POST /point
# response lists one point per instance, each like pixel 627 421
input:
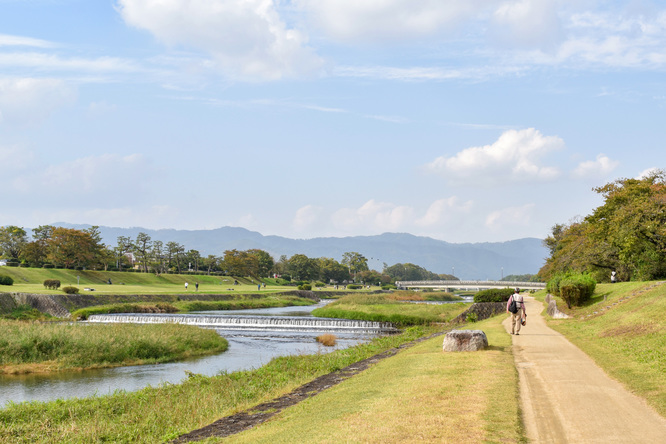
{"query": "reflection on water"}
pixel 247 350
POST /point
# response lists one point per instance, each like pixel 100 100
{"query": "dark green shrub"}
pixel 52 284
pixel 493 295
pixel 319 284
pixel 353 287
pixel 70 290
pixel 6 280
pixel 48 266
pixel 576 289
pixel 389 287
pixel 12 264
pixel 553 285
pixel 305 287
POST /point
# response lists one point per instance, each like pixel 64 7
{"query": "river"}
pixel 247 349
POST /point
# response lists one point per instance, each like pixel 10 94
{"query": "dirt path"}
pixel 567 398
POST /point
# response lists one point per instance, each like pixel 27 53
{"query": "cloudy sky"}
pixel 462 120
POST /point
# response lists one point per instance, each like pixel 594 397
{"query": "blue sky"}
pixel 464 120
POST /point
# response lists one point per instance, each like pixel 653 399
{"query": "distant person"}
pixel 196 286
pixel 109 282
pixel 259 287
pixel 519 313
pixel 186 286
pixel 613 277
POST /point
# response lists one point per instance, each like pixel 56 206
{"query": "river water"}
pixel 248 349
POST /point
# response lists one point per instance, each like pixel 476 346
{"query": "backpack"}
pixel 513 306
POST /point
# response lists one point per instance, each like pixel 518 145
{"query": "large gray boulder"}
pixel 465 340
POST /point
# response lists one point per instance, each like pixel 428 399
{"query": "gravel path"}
pixel 567 398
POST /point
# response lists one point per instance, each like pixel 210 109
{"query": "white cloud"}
pixel 26 101
pixel 648 172
pixel 527 24
pixel 373 216
pixel 599 167
pixel 515 156
pixel 13 160
pixel 306 217
pixel 247 38
pixel 104 180
pixel 443 210
pixel 389 20
pixel 14 40
pixel 510 217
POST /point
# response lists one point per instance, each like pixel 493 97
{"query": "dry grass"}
pixel 420 395
pixel 327 339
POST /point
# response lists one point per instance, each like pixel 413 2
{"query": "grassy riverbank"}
pixel 30 347
pixel 419 395
pixel 624 330
pixel 238 303
pixel 159 414
pixel 389 308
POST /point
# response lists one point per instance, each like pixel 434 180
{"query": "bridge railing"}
pixel 453 283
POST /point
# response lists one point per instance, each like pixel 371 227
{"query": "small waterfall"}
pixel 257 323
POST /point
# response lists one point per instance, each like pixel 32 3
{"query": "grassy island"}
pixel 29 347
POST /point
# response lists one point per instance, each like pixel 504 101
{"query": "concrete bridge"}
pixel 469 285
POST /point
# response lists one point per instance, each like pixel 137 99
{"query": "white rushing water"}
pixel 254 323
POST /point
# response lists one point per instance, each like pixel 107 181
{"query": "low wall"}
pixel 483 310
pixel 45 303
pixel 7 303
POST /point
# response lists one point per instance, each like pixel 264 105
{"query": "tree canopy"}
pixel 626 234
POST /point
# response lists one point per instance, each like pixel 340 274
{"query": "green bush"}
pixel 6 280
pixel 353 287
pixel 576 289
pixel 389 287
pixel 493 295
pixel 553 285
pixel 319 284
pixel 70 290
pixel 48 266
pixel 52 284
pixel 12 264
pixel 305 287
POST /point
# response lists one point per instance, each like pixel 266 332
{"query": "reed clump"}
pixel 327 339
pixel 27 347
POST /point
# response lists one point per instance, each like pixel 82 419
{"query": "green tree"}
pixel 355 262
pixel 302 268
pixel 626 234
pixel 264 262
pixel 142 249
pixel 332 270
pixel 13 240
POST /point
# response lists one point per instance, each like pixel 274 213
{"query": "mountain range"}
pixel 467 261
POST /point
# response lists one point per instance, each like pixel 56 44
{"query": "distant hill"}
pixel 489 260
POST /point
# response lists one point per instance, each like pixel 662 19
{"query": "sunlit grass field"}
pixel 420 395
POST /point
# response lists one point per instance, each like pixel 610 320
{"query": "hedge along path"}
pixel 567 398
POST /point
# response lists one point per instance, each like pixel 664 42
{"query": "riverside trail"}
pixel 567 398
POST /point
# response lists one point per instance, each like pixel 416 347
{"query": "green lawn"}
pixel 420 395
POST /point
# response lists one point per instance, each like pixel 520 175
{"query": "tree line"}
pixel 626 234
pixel 51 246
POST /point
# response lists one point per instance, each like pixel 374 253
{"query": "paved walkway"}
pixel 567 398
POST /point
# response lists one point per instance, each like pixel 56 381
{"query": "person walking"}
pixel 519 313
pixel 185 285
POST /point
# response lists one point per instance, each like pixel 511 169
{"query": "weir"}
pixel 255 323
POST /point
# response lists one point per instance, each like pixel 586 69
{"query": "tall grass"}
pixel 27 347
pixel 158 414
pixel 388 308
